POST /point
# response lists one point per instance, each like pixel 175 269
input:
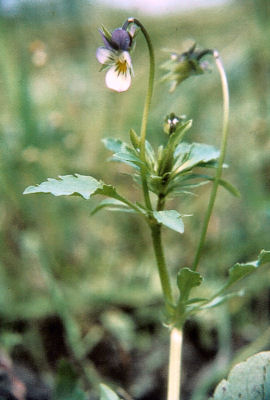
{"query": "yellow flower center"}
pixel 121 66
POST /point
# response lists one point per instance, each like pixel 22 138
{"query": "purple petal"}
pixel 104 55
pixel 121 38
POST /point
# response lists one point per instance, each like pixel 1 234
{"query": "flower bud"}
pixel 182 66
pixel 171 123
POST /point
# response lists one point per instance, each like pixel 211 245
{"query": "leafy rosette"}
pixel 173 170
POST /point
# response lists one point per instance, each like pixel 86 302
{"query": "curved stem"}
pixel 174 374
pixel 146 108
pixel 225 93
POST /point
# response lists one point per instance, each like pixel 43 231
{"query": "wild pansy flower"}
pixel 182 66
pixel 115 57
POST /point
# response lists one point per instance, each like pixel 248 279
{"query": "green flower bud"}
pixel 171 123
pixel 134 138
pixel 182 66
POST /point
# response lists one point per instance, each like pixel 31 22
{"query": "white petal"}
pixel 116 81
pixel 104 55
pixel 126 56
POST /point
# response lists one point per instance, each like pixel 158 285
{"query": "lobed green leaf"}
pixel 248 380
pixel 84 186
pixel 68 185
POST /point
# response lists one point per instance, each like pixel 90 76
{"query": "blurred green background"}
pixel 71 281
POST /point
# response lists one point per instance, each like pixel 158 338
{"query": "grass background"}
pixel 54 111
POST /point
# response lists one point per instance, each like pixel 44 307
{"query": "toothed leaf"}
pixel 67 185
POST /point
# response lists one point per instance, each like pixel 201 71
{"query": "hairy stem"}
pixel 225 93
pixel 174 374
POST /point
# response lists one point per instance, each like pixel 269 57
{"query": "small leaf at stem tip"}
pixel 170 218
pixel 248 380
pixel 186 280
pixel 107 394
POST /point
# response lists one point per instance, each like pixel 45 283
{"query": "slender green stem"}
pixel 174 373
pixel 162 268
pixel 146 109
pixel 225 92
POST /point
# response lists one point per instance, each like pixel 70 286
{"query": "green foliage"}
pixel 114 145
pixel 46 132
pixel 84 186
pixel 219 300
pixel 239 271
pixel 190 155
pixel 111 205
pixel 227 185
pixel 236 273
pixel 122 152
pixel 248 380
pixel 170 218
pixel 134 138
pixel 170 171
pixel 68 185
pixel 186 280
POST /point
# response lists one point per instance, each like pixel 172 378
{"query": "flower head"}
pixel 182 66
pixel 115 57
